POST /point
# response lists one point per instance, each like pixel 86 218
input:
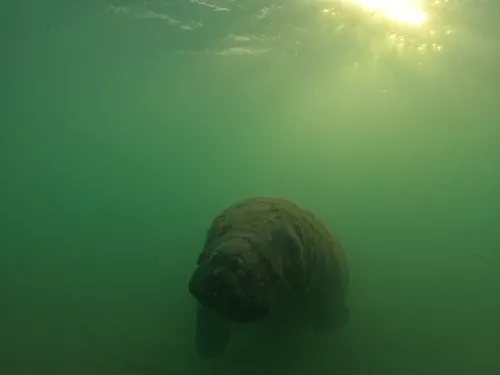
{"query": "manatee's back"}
pixel 319 260
pixel 308 250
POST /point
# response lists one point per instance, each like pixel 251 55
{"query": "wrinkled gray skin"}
pixel 260 252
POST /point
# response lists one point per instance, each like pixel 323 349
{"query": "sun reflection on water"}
pixel 402 26
pixel 404 11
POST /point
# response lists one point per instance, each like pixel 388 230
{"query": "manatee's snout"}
pixel 234 281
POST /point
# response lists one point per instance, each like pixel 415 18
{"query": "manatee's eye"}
pixel 214 255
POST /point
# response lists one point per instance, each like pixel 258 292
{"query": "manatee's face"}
pixel 234 281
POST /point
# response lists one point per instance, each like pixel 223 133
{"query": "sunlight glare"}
pixel 404 11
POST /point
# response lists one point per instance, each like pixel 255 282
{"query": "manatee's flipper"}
pixel 213 332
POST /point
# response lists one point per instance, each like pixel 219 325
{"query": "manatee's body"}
pixel 260 253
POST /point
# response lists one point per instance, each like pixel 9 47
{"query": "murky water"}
pixel 125 126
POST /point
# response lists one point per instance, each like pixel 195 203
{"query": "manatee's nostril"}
pixel 237 265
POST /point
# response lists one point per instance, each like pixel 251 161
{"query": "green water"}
pixel 126 126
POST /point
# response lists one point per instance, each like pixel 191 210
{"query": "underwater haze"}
pixel 126 126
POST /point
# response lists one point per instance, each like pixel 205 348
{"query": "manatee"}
pixel 262 253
